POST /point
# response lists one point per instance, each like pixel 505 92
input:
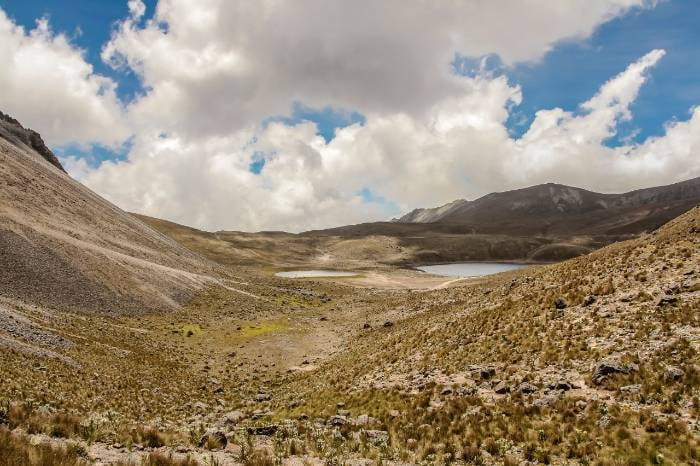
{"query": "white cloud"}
pixel 459 147
pixel 46 83
pixel 214 69
pixel 214 66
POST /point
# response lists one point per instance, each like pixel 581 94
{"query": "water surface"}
pixel 314 274
pixel 470 269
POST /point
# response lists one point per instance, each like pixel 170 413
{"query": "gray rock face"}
pixel 12 131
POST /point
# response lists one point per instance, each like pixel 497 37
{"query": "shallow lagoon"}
pixel 470 269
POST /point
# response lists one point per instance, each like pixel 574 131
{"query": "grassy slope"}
pixel 137 372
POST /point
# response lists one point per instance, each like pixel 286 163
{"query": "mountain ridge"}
pixel 541 208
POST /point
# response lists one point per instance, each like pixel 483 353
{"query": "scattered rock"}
pixel 560 303
pixel 611 365
pixel 338 420
pixel 667 300
pixel 364 420
pixel 262 397
pixel 635 388
pixel 561 385
pixel 366 326
pixel 446 391
pixel 388 323
pixel 376 437
pixel 199 406
pixel 214 440
pixel 483 372
pixel 673 374
pixel 526 388
pixel 232 418
pixel 263 430
pixel 588 300
pixel 501 388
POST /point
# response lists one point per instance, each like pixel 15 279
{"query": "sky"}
pixel 304 114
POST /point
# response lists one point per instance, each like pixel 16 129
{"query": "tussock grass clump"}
pixel 17 451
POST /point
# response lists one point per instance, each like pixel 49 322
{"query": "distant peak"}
pixel 12 131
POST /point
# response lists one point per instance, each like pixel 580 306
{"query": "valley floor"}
pixel 590 361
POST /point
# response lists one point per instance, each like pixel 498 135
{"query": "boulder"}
pixel 560 303
pixel 501 388
pixel 611 365
pixel 673 374
pixel 232 418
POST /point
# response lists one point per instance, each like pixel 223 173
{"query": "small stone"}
pixel 263 430
pixel 560 303
pixel 388 323
pixel 262 397
pixel 588 300
pixel 635 388
pixel 446 391
pixel 673 374
pixel 526 388
pixel 487 372
pixel 667 301
pixel 233 417
pixel 366 326
pixel 376 437
pixel 501 388
pixel 338 420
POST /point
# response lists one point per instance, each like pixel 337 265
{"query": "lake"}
pixel 314 274
pixel 470 269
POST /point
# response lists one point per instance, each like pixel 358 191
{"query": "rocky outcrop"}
pixel 12 131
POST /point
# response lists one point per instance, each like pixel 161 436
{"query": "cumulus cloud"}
pixel 214 66
pixel 460 147
pixel 46 83
pixel 213 70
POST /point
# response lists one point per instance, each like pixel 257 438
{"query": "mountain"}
pixel 63 246
pixel 557 209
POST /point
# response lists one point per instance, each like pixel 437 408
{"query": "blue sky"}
pixel 568 75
